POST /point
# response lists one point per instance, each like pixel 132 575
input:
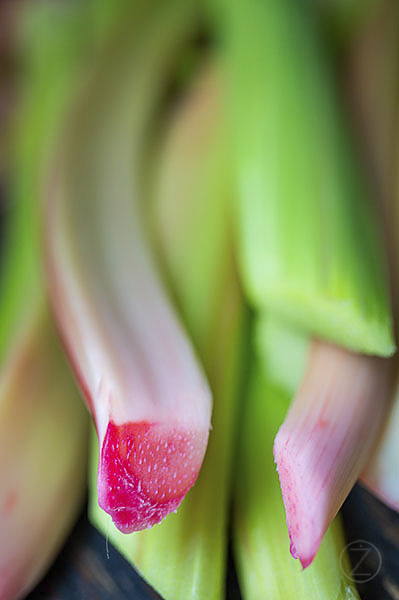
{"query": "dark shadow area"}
pixel 87 569
pixel 372 529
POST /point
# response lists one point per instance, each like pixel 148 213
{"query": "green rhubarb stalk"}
pixel 277 345
pixel 265 568
pixel 185 557
pixel 43 423
pixel 310 244
pixel 334 421
pixel 372 86
pixel 54 49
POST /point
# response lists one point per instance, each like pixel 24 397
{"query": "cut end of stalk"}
pixel 145 471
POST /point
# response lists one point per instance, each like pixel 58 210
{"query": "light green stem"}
pixel 309 240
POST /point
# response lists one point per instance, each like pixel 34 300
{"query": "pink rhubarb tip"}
pixel 305 532
pixel 145 471
pixel 327 437
pixel 132 357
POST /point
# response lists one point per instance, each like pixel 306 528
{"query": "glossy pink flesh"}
pixel 145 471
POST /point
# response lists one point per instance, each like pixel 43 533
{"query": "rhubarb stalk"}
pixel 265 567
pixel 185 557
pixel 326 438
pixel 43 454
pixel 372 85
pixel 310 244
pixel 148 396
pixel 43 423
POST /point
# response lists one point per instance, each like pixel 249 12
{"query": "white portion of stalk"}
pixel 381 474
pixel 122 335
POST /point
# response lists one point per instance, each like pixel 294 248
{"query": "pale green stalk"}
pixel 54 49
pixel 283 351
pixel 185 557
pixel 371 80
pixel 309 240
pixel 43 422
pixel 371 85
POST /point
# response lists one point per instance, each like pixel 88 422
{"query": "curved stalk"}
pixel 265 567
pixel 310 243
pixel 326 438
pixel 186 556
pixel 149 398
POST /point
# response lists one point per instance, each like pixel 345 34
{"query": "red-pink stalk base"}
pixel 145 471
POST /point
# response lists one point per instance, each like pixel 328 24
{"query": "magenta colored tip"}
pixel 145 471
